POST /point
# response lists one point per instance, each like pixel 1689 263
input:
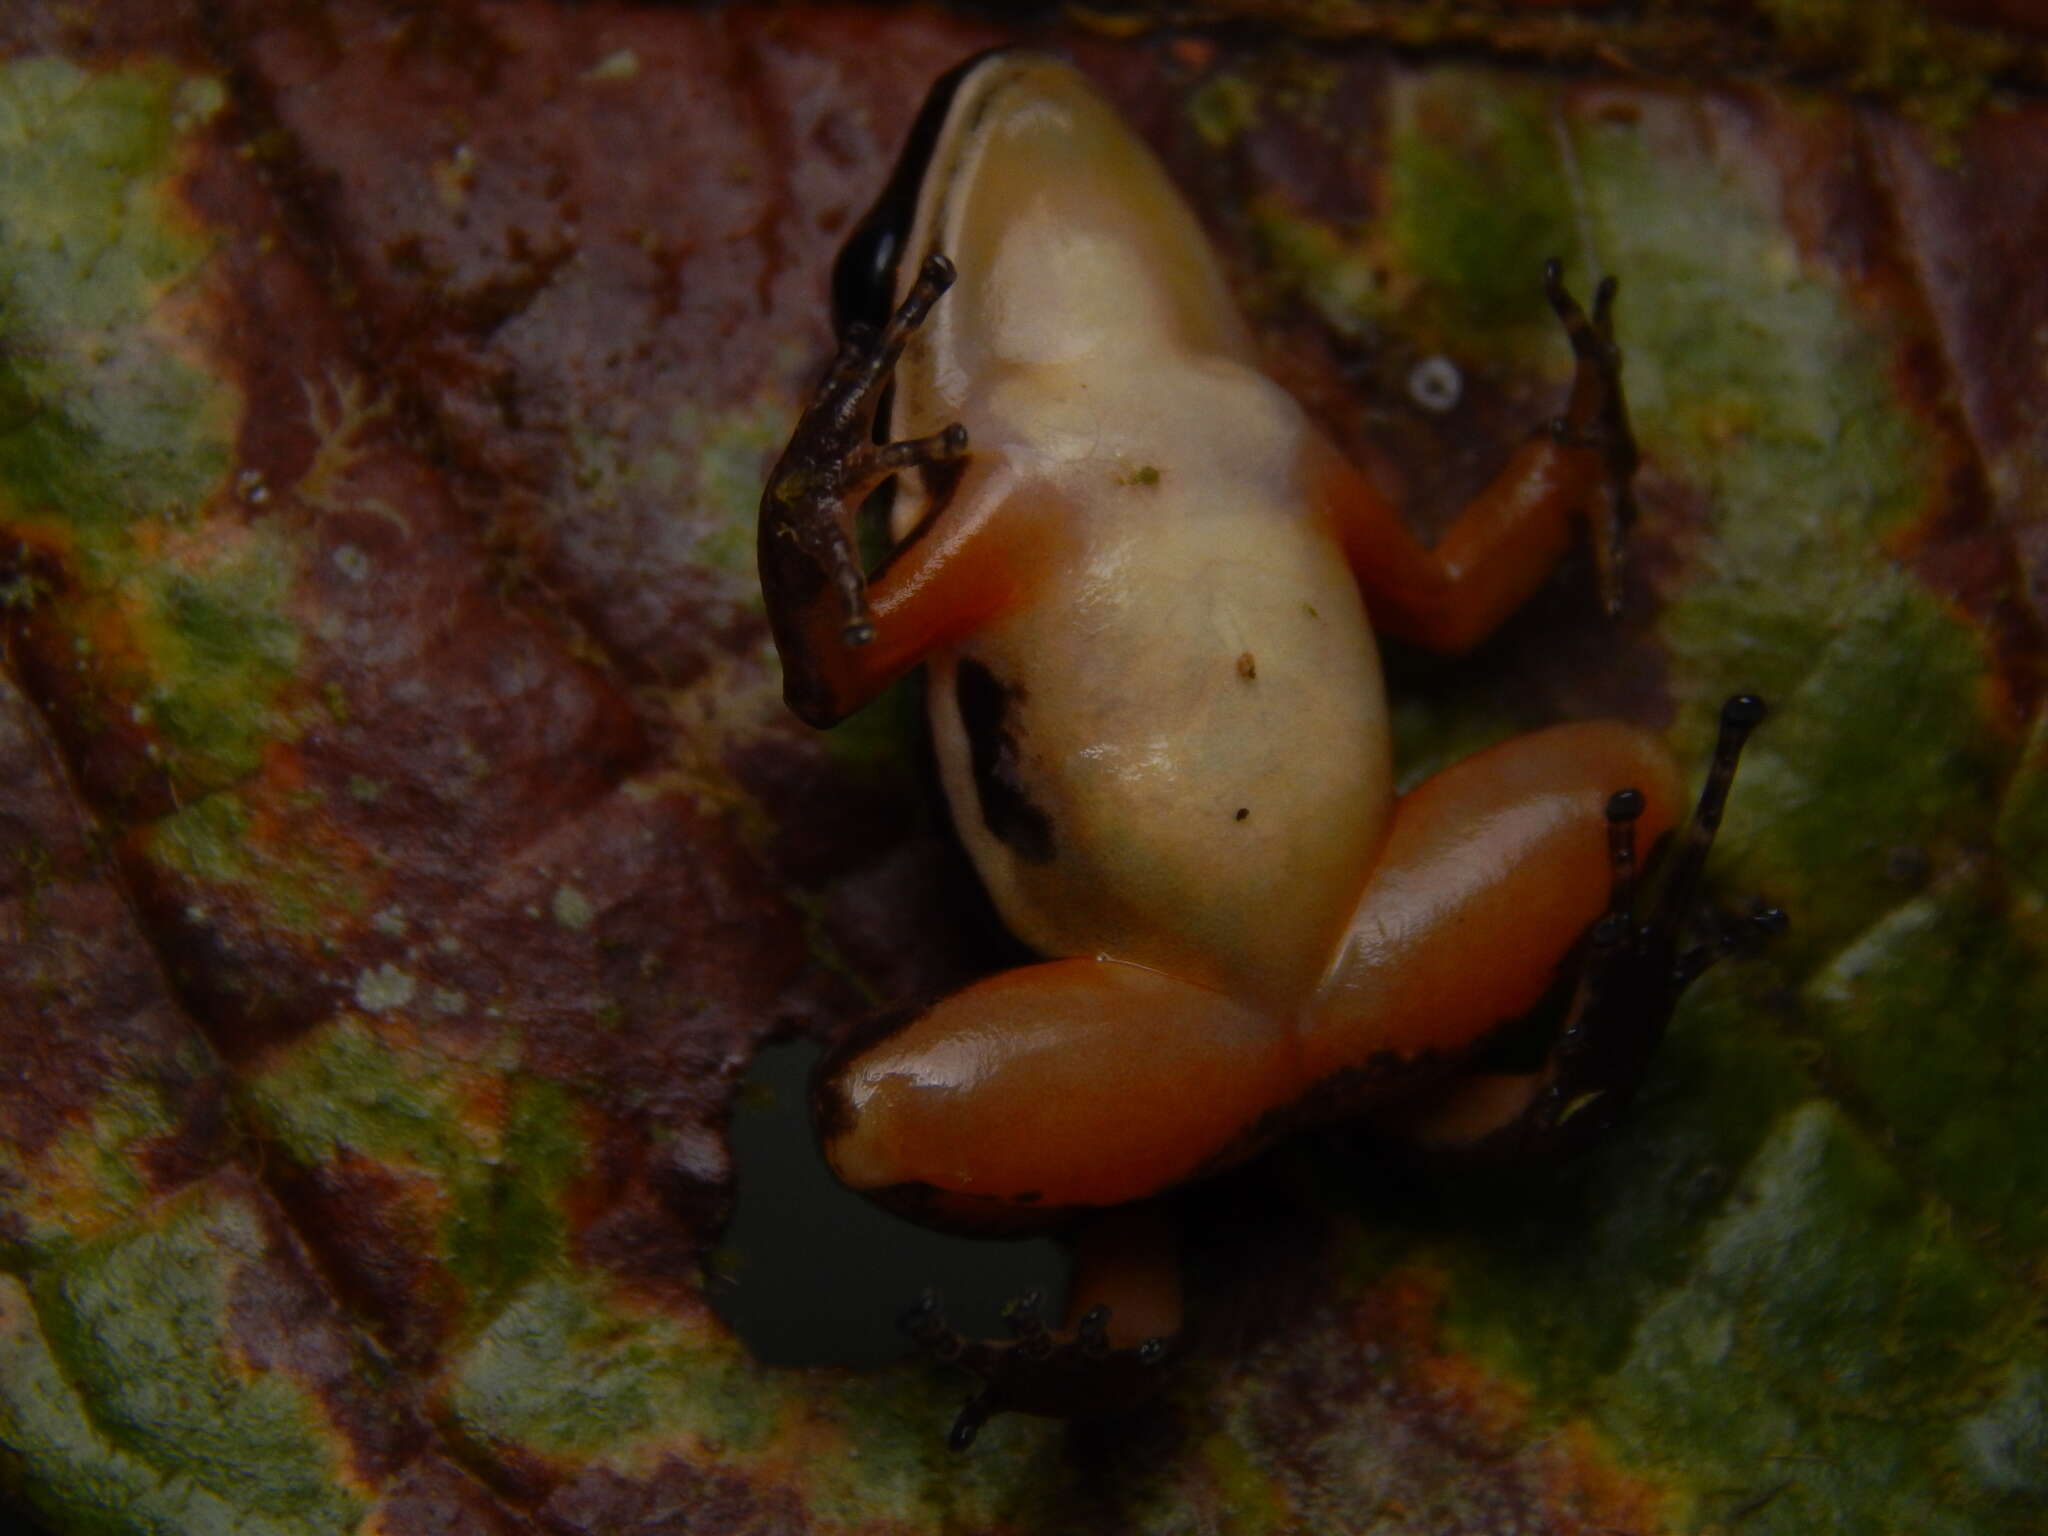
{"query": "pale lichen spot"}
pixel 453 177
pixel 198 102
pixel 391 921
pixel 572 908
pixel 351 562
pixel 620 64
pixel 384 989
pixel 449 1001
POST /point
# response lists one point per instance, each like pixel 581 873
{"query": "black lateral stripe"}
pixel 864 273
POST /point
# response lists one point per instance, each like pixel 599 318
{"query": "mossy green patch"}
pixel 124 428
pixel 572 1369
pixel 1755 377
pixel 86 1482
pixel 733 451
pixel 2004 1445
pixel 1932 1019
pixel 895 1459
pixel 1332 270
pixel 1880 758
pixel 497 1148
pixel 1831 1330
pixel 1223 108
pixel 2022 831
pixel 220 652
pixel 710 463
pixel 1941 72
pixel 123 442
pixel 1478 201
pixel 262 848
pixel 1245 1487
pixel 1554 1267
pixel 86 1179
pixel 132 1402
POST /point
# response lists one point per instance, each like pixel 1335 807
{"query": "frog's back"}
pixel 1175 751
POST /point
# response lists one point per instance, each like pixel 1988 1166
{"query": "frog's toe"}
pixel 1059 1373
pixel 1639 964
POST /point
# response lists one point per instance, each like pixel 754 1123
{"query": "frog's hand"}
pixel 1123 1314
pixel 818 602
pixel 1636 966
pixel 1504 543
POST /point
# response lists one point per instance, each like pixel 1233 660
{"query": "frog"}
pixel 1147 592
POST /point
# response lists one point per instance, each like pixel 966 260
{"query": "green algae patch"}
pixel 85 1180
pixel 130 1404
pixel 1757 378
pixel 125 429
pixel 1554 1267
pixel 2022 831
pixel 1833 804
pixel 486 1153
pixel 1332 270
pixel 877 1443
pixel 124 442
pixel 80 1478
pixel 1939 71
pixel 708 465
pixel 1782 1310
pixel 1932 1019
pixel 732 451
pixel 220 653
pixel 1223 109
pixel 1478 200
pixel 1245 1487
pixel 578 1371
pixel 2004 1445
pixel 1830 1334
pixel 265 847
pixel 573 1370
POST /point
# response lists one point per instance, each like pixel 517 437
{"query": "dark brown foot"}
pixel 1596 417
pixel 1068 1374
pixel 810 570
pixel 1637 968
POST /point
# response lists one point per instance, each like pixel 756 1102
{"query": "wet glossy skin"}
pixel 1146 597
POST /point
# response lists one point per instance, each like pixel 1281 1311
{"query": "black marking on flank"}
pixel 1243 811
pixel 1006 809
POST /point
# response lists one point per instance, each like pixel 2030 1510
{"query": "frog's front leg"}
pixel 1501 874
pixel 843 636
pixel 1580 464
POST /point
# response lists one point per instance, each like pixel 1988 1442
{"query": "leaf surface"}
pixel 407 851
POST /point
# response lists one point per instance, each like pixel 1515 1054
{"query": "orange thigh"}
pixel 1491 872
pixel 1071 1083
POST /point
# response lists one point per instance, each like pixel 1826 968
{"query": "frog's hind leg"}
pixel 1122 1317
pixel 1041 1094
pixel 1057 1097
pixel 1635 967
